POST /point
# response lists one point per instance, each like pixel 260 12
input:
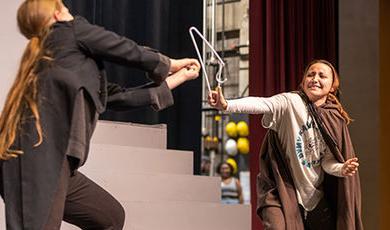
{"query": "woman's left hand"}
pixel 350 167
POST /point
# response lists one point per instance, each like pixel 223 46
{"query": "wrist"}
pixel 224 105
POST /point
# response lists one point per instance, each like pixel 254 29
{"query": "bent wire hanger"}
pixel 220 61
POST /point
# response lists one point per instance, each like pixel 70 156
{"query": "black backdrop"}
pixel 163 25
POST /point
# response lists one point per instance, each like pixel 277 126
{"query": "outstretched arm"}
pixel 250 105
pixel 157 96
pixel 109 46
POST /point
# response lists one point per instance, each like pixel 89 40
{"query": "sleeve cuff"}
pixel 162 69
pixel 161 97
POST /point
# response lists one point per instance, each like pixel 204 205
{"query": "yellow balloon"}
pixel 242 129
pixel 233 163
pixel 243 145
pixel 231 129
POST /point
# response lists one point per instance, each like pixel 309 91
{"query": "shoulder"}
pixel 287 96
pixel 76 22
pixel 80 20
pixel 237 182
pixel 293 96
pixel 290 99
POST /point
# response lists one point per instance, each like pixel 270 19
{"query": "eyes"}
pixel 320 74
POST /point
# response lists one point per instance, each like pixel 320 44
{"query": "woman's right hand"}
pixel 178 64
pixel 350 167
pixel 216 99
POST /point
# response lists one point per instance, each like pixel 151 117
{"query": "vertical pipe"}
pixel 223 57
pixel 223 31
pixel 203 122
pixel 213 32
pixel 204 54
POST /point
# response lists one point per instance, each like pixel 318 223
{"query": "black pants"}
pixel 82 202
pixel 320 218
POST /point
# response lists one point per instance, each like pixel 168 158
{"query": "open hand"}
pixel 350 167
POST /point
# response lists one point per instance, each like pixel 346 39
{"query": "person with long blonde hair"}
pixel 52 108
pixel 308 169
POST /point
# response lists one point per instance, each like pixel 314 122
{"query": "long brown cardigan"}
pixel 277 203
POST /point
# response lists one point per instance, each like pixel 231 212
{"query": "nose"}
pixel 315 77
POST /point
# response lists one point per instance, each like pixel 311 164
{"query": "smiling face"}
pixel 318 82
pixel 226 171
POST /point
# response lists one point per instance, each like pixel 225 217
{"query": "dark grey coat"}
pixel 29 182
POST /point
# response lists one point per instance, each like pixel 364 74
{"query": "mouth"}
pixel 314 86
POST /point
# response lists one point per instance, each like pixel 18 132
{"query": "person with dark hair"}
pixel 51 111
pixel 231 190
pixel 308 169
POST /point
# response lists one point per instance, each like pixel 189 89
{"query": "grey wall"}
pixel 11 46
pixel 359 72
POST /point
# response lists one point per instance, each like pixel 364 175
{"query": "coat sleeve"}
pixel 157 96
pixel 109 46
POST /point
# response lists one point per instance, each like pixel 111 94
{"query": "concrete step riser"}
pixel 129 134
pixel 124 159
pixel 160 187
pixel 183 216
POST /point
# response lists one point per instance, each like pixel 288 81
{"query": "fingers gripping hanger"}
pixel 220 61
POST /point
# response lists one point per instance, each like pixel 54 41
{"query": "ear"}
pixel 57 15
pixel 332 90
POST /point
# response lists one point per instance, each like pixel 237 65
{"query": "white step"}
pixel 2 215
pixel 159 187
pixel 130 134
pixel 126 159
pixel 183 216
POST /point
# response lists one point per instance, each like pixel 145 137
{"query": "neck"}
pixel 320 101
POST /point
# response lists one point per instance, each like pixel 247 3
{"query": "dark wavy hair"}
pixel 230 166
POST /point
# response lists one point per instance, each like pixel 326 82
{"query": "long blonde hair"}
pixel 34 18
pixel 334 94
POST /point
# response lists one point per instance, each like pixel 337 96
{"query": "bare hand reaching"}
pixel 185 74
pixel 178 64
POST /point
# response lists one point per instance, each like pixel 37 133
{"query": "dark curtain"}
pixel 162 25
pixel 285 35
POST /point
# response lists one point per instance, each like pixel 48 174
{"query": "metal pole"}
pixel 222 56
pixel 213 32
pixel 203 117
